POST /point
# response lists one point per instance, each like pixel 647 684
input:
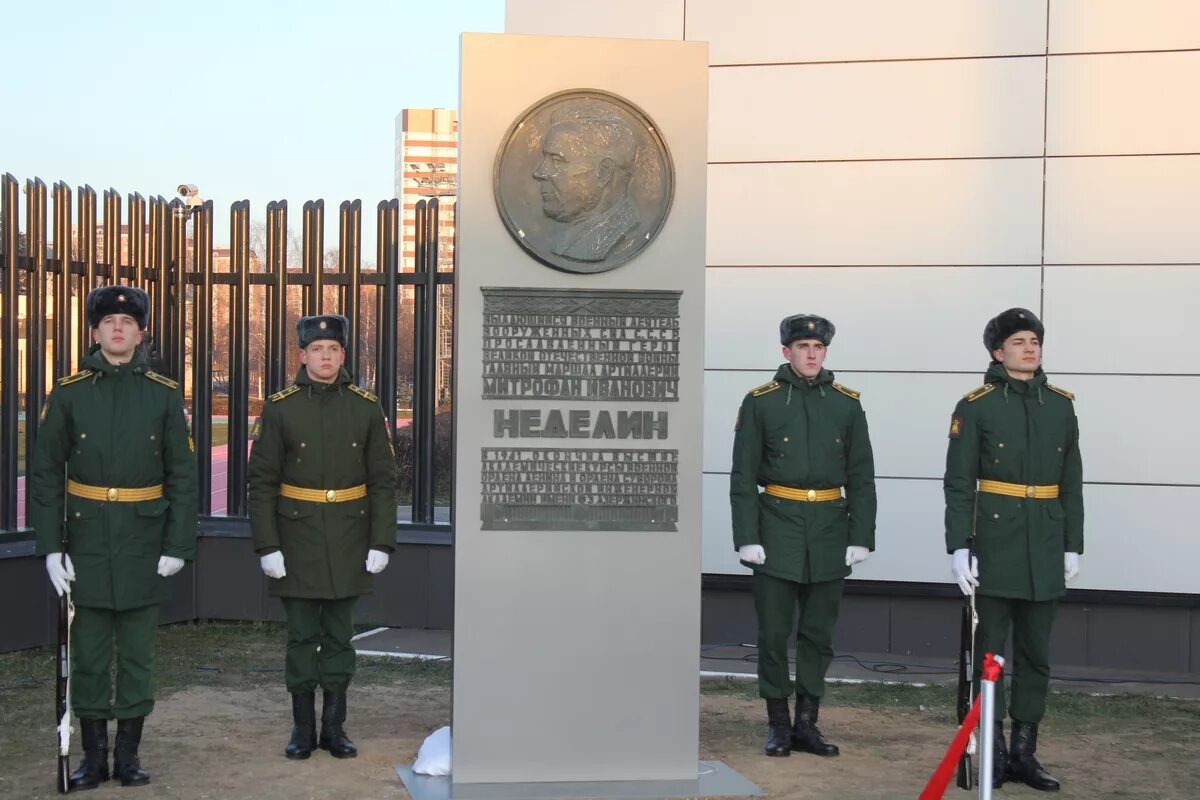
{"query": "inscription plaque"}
pixel 577 344
pixel 579 489
pixel 583 181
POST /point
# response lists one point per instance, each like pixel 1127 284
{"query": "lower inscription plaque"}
pixel 584 489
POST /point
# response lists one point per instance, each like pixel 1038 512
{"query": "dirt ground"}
pixel 212 743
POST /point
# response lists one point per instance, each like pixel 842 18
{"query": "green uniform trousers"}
pixel 775 604
pixel 319 652
pixel 92 637
pixel 1029 667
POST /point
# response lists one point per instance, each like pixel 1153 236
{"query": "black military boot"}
pixel 333 735
pixel 806 736
pixel 93 769
pixel 127 767
pixel 304 725
pixel 779 720
pixel 999 756
pixel 1023 766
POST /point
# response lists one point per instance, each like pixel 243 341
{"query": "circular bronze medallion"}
pixel 583 181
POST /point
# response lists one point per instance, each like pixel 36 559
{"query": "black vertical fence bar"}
pixel 350 266
pixel 425 358
pixel 239 357
pixel 111 250
pixel 137 241
pixel 35 312
pixel 160 269
pixel 64 361
pixel 85 237
pixel 202 322
pixel 389 263
pixel 9 197
pixel 277 376
pixel 313 256
pixel 177 292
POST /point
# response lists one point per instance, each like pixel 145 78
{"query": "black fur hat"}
pixel 118 299
pixel 1006 323
pixel 805 326
pixel 323 326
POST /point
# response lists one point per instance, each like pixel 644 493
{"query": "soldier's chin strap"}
pixel 64 723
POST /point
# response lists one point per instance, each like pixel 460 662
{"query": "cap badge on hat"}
pixel 812 325
pixel 323 325
pixel 120 298
pixel 1019 314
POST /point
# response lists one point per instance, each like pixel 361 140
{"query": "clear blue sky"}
pixel 248 99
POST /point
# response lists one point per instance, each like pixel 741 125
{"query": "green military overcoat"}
pixel 123 427
pixel 322 436
pixel 804 436
pixel 1019 432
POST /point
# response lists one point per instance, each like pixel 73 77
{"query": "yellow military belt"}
pixel 804 495
pixel 1018 490
pixel 323 495
pixel 114 495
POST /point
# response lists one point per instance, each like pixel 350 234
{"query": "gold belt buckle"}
pixel 1030 491
pixel 112 495
pixel 331 496
pixel 812 495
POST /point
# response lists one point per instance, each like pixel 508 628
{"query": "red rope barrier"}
pixel 941 777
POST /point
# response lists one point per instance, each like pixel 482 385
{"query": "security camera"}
pixel 187 190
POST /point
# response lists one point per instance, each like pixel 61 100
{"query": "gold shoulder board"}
pixel 766 388
pixel 291 390
pixel 78 376
pixel 982 391
pixel 163 379
pixel 363 393
pixel 853 394
pixel 1063 392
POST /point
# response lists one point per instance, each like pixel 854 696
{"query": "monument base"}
pixel 713 779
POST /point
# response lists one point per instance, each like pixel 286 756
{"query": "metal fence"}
pixel 222 322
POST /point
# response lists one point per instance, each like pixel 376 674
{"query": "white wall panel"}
pixel 912 109
pixel 1126 103
pixel 1085 308
pixel 765 31
pixel 1089 26
pixel 1121 442
pixel 1140 538
pixel 718 555
pixel 872 213
pixel 887 318
pixel 908 415
pixel 1117 210
pixel 632 19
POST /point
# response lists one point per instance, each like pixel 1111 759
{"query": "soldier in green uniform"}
pixel 1014 479
pixel 803 438
pixel 323 516
pixel 113 458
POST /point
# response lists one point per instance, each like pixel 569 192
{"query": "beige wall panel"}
pixel 766 31
pixel 887 318
pixel 1089 26
pixel 1082 305
pixel 632 19
pixel 1120 210
pixel 911 109
pixel 876 213
pixel 1125 103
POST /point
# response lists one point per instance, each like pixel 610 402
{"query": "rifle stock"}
pixel 966 658
pixel 62 690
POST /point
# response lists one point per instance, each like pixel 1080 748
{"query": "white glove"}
pixel 1070 566
pixel 272 565
pixel 61 572
pixel 752 554
pixel 376 561
pixel 856 555
pixel 966 576
pixel 169 565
